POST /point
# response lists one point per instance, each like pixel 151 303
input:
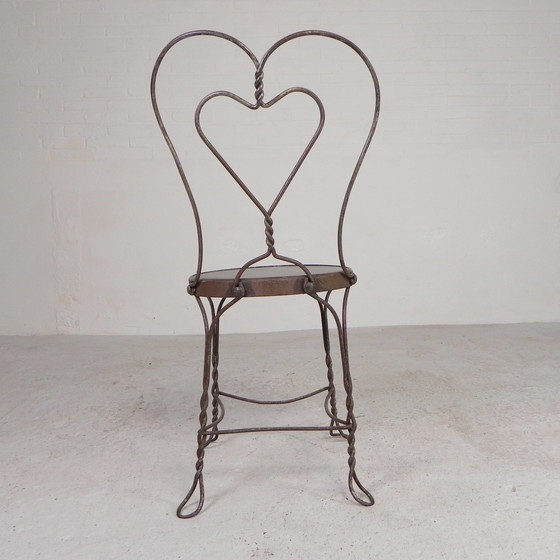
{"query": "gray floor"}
pixel 459 440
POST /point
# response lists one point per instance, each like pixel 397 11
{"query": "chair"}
pixel 217 291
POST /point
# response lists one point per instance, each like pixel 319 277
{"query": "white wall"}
pixel 456 218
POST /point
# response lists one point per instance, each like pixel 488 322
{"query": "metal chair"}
pixel 222 289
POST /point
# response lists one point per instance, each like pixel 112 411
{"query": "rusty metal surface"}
pixel 289 276
pixel 266 281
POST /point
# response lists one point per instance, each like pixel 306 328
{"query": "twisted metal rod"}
pixel 330 399
pixel 259 87
pixel 341 326
pixel 204 437
pixel 215 390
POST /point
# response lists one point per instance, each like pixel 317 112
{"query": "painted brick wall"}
pixel 456 218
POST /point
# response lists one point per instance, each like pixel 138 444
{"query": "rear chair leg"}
pixel 330 399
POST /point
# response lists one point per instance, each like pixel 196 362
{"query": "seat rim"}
pixel 271 280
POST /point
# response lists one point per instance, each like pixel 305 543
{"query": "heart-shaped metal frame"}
pixel 266 213
pixel 259 102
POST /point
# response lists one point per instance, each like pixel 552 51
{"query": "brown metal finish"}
pixel 287 277
pixel 262 281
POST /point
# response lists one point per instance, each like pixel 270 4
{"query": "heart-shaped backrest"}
pixel 258 104
pixel 267 213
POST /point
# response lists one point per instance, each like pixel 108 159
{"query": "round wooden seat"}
pixel 277 280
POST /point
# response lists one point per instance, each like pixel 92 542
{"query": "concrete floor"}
pixel 458 439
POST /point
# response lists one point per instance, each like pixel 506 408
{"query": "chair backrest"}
pixel 261 103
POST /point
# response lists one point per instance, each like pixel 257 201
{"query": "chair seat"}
pixel 276 280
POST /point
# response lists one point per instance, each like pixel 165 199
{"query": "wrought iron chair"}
pixel 287 277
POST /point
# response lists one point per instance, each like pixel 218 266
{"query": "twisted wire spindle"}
pixel 259 87
pixel 331 395
pixel 269 232
pixel 215 390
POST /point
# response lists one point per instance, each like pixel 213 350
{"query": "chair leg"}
pixel 330 399
pixel 367 498
pixel 210 365
pixel 215 390
pixel 210 370
pixel 202 439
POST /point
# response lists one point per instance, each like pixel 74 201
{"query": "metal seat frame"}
pixel 223 289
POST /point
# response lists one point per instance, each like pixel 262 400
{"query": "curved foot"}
pixel 353 478
pixel 197 482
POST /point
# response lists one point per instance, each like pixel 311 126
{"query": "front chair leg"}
pixel 210 369
pixel 202 438
pixel 366 499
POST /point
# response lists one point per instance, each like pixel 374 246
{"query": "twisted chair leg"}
pixel 202 439
pixel 210 370
pixel 215 390
pixel 330 399
pixel 366 499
